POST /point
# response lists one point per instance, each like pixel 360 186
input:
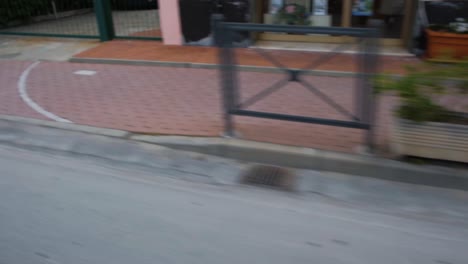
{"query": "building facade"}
pixel 397 18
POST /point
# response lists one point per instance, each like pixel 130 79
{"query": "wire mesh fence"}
pixel 136 18
pixel 49 17
pixel 79 18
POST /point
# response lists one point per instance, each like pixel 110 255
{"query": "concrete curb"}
pixel 306 158
pixel 127 147
pixel 206 66
pixel 67 126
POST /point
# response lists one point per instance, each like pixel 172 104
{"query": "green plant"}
pixel 420 85
pixel 20 9
pixel 67 5
pixel 369 4
pixel 293 14
pixel 13 10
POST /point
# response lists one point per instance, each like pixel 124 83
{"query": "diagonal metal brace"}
pixel 328 100
pixel 326 57
pixel 275 87
pixel 275 62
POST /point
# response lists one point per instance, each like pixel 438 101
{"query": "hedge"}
pixel 12 10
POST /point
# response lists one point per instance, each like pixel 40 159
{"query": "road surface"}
pixel 64 209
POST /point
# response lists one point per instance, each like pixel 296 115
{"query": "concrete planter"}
pixel 431 140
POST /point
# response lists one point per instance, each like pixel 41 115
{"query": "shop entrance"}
pixel 395 16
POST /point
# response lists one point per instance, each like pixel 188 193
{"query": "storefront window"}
pixel 390 12
pixel 315 11
pixel 341 13
pixel 275 6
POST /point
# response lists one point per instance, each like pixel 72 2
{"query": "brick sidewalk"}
pixel 180 101
pixel 155 51
pixel 187 101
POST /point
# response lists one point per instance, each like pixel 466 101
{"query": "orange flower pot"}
pixel 446 45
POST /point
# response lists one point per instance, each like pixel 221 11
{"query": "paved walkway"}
pixel 178 101
pixel 37 48
pixel 187 101
pixel 155 51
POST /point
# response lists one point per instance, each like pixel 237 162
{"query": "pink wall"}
pixel 169 19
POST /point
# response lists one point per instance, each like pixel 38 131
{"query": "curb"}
pixel 141 149
pixel 206 66
pixel 313 159
pixel 67 126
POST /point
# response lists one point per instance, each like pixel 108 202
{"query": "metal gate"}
pixel 103 19
pixel 361 118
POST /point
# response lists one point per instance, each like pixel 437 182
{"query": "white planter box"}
pixel 320 21
pixel 430 140
pixel 268 18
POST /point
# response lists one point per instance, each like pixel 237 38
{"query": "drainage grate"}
pixel 269 176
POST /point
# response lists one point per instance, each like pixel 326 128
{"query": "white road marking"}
pixel 22 89
pixel 85 72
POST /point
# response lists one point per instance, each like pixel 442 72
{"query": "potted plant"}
pixel 424 127
pixel 448 41
pixel 293 14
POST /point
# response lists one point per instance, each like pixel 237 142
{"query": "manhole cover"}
pixel 269 176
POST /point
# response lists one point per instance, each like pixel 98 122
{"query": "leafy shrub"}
pixel 293 14
pixel 67 5
pixel 12 10
pixel 418 87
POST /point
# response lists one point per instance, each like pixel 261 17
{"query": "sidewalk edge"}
pixel 67 126
pixel 314 159
pixel 257 152
pixel 204 66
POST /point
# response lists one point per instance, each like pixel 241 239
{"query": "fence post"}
pixel 371 65
pixel 104 19
pixel 222 40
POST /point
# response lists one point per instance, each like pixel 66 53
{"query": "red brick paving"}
pixel 155 51
pixel 141 99
pixel 10 102
pixel 154 33
pixel 181 101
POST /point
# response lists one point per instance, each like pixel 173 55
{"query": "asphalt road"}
pixel 56 209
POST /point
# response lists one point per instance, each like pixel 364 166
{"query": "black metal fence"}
pixel 362 117
pixel 104 19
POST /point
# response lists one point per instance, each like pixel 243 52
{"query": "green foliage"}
pixel 293 14
pixel 13 10
pixel 67 5
pixel 20 9
pixel 369 4
pixel 417 87
pixel 422 109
